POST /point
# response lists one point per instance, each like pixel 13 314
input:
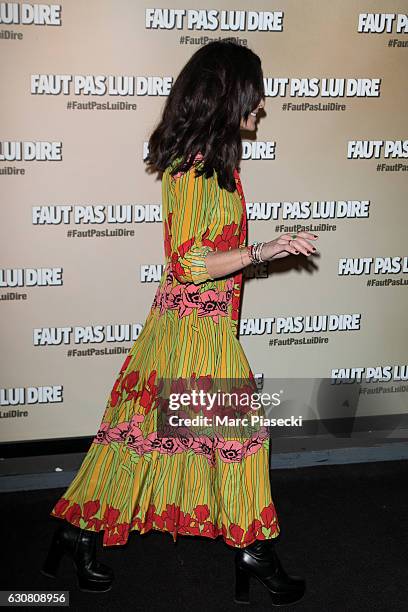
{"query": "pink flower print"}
pixel 174 297
pixel 152 443
pixel 209 305
pixel 118 433
pixel 252 445
pixel 102 435
pixel 157 301
pixel 190 299
pixel 229 288
pixel 185 437
pixel 203 446
pixel 134 422
pixel 156 298
pixel 170 275
pixel 162 299
pixel 232 451
pixel 222 302
pixel 135 440
pixel 170 446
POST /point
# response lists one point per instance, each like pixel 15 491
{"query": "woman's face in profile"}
pixel 250 123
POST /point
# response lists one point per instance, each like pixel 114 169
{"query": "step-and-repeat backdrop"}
pixel 83 84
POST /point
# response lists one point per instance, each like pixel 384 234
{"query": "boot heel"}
pixel 242 578
pixel 52 562
pixel 80 545
pixel 259 560
pixel 93 586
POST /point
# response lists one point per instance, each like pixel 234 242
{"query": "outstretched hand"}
pixel 285 245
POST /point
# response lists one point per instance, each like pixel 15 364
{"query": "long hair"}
pixel 220 84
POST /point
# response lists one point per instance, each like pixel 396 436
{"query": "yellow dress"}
pixel 134 476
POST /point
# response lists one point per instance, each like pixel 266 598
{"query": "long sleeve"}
pixel 190 226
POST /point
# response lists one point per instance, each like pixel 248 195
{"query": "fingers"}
pixel 308 235
pixel 303 246
pixel 290 247
pixel 300 244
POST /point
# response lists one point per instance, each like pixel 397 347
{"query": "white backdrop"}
pixel 82 86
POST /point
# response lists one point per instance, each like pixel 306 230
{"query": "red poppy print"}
pixel 173 519
pixel 149 392
pixel 115 394
pixel 176 266
pixel 228 239
pixel 268 515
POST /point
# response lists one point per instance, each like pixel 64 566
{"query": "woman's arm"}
pixel 222 263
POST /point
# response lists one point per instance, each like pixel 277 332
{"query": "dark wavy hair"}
pixel 220 84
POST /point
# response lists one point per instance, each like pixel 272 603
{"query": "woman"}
pixel 137 474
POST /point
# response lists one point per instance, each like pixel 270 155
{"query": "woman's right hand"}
pixel 285 245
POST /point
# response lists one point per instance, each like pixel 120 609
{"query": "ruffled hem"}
pixel 172 521
pixel 174 535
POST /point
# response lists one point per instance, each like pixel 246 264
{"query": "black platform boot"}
pixel 80 545
pixel 261 561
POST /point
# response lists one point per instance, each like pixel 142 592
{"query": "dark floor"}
pixel 343 528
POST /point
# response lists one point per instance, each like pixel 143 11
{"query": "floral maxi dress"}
pixel 134 478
